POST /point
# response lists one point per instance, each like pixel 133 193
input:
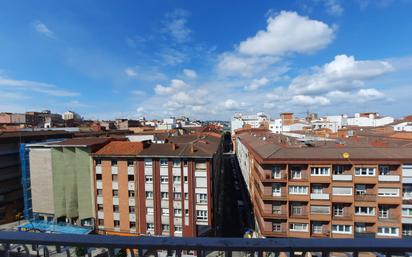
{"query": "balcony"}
pixel 389 178
pixel 344 216
pixel 302 215
pixel 389 219
pixel 177 246
pixel 365 198
pixel 342 177
pixel 317 196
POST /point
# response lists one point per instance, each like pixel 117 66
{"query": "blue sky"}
pixel 206 59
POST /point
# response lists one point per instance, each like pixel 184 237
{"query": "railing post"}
pixel 228 253
pixel 325 254
pixel 355 254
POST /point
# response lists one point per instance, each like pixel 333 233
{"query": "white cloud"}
pixel 175 86
pixel 333 7
pixel 310 100
pixel 237 64
pixel 42 28
pixel 370 94
pixel 138 92
pixel 190 73
pixel 44 88
pixel 130 72
pixel 360 96
pixel 257 83
pixel 175 25
pixel 344 72
pixel 287 33
pixel 231 104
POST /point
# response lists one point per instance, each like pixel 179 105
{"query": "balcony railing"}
pixel 201 247
pixel 365 198
pixel 389 178
pixel 342 177
pixel 319 196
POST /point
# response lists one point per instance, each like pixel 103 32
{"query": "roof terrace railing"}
pixel 201 247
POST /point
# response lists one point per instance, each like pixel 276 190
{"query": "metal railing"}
pixel 201 247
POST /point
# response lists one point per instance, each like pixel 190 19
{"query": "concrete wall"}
pixel 41 180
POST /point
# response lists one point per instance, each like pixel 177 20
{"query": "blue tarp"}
pixel 49 227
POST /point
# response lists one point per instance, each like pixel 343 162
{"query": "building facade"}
pixel 158 189
pixel 325 189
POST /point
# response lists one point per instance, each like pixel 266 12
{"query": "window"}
pixel 117 223
pixel 165 227
pixel 388 231
pixel 297 210
pixel 164 179
pixel 185 163
pixel 388 192
pixel 114 162
pixel 407 212
pixel 317 189
pixel 115 208
pixel 317 228
pixel 384 170
pixel 318 209
pixel 178 212
pixel 339 170
pixel 298 190
pixel 131 193
pixel 150 226
pixel 130 177
pixel 163 162
pixel 100 207
pixel 276 173
pixel 383 212
pixel 201 215
pixel 149 195
pixel 165 211
pixel 149 179
pixel 148 162
pixel 177 196
pixel 201 198
pixel 98 177
pixel 342 229
pixel 186 212
pixel 176 163
pixel 132 225
pixel 276 209
pixel 99 192
pixel 360 171
pixel 98 162
pixel 186 196
pixel 132 209
pixel 320 171
pixel 276 189
pixel 341 190
pixel 360 227
pixel 115 193
pixel 129 163
pixel 407 230
pixel 114 177
pixel 361 189
pixel 367 211
pixel 100 222
pixel 149 210
pixel 276 227
pixel 164 195
pixel 178 228
pixel 176 179
pixel 298 227
pixel 338 210
pixel 185 179
pixel 296 174
pixel 201 182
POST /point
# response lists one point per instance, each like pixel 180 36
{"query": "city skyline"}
pixel 206 60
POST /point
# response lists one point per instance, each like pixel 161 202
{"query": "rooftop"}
pixel 120 148
pixel 82 142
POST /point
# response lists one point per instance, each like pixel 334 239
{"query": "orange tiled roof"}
pixel 122 148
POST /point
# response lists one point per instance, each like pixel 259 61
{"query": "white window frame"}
pixel 150 226
pixel 384 212
pixel 360 189
pixel 317 228
pixel 341 229
pixel 364 211
pixel 320 171
pixel 177 212
pixel 176 163
pixel 201 198
pixel 338 210
pixel 360 227
pixel 148 162
pixel 201 215
pixel 149 194
pixel 387 231
pixel 164 195
pixel 339 170
pixel 388 194
pixel 407 212
pixel 276 172
pixel 149 179
pixel 164 179
pixel 163 162
pixel 365 171
pixel 320 207
pixel 384 170
pixel 299 227
pixel 276 189
pixel 298 190
pixel 343 189
pixel 296 174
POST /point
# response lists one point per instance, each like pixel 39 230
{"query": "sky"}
pixel 206 59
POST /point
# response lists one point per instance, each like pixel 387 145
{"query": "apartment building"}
pixel 326 189
pixel 61 180
pixel 158 189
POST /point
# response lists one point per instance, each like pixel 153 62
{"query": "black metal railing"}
pixel 201 247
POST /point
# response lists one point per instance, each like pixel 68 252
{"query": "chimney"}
pixel 173 146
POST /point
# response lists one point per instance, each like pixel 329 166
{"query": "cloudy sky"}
pixel 206 59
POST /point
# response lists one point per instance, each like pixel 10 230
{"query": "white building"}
pixel 239 121
pixel 403 126
pixel 276 126
pixel 369 120
pixel 168 123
